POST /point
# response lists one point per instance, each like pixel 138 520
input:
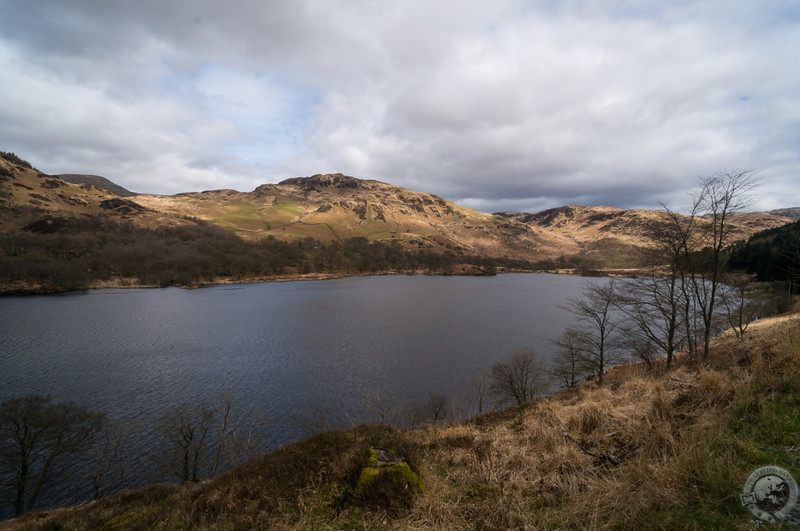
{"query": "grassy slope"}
pixel 684 442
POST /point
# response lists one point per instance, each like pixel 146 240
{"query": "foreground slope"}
pixel 665 449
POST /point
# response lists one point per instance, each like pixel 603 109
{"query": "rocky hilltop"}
pixel 97 181
pixel 335 207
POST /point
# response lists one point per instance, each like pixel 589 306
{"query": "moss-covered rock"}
pixel 387 481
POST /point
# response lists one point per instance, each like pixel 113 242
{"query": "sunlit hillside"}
pixel 333 209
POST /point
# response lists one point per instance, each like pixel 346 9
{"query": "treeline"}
pixel 67 253
pixel 772 255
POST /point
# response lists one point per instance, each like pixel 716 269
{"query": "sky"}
pixel 497 105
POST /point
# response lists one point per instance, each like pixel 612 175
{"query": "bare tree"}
pixel 247 438
pixel 415 414
pixel 480 388
pixel 636 344
pixel 187 428
pixel 382 405
pixel 720 197
pixel 225 406
pixel 315 419
pixel 597 326
pixel 519 378
pixel 108 467
pixel 654 308
pixel 437 406
pixel 707 236
pixel 679 242
pixel 35 434
pixel 740 310
pixel 569 360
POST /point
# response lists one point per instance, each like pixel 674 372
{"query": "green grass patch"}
pixel 760 428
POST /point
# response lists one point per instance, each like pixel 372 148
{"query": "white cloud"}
pixel 500 105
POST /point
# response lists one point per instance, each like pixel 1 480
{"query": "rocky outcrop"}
pixel 316 182
pixel 122 206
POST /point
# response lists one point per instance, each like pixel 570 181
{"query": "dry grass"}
pixel 669 450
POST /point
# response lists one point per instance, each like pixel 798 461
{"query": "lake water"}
pixel 295 351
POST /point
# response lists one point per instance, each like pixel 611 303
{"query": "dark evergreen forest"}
pixel 772 255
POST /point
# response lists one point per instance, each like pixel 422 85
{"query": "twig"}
pixel 602 456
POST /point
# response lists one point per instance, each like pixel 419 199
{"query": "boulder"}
pixel 387 481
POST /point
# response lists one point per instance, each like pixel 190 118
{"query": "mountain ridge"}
pixel 335 207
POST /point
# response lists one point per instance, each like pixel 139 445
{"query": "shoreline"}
pixel 25 288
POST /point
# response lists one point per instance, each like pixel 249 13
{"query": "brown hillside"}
pixel 334 206
pixel 793 213
pixel 595 228
pixel 27 194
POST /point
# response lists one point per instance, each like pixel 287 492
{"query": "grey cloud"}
pixel 501 104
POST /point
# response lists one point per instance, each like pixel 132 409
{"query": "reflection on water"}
pixel 286 349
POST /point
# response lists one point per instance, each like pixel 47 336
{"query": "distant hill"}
pixel 793 213
pixel 611 235
pixel 28 194
pixel 96 180
pixel 334 208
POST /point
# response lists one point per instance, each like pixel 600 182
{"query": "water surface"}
pixel 291 350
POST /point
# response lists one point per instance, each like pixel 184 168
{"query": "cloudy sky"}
pixel 494 104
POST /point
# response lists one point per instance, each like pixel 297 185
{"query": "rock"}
pixel 122 206
pixel 387 482
pixel 316 182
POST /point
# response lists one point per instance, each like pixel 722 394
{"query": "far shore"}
pixel 39 288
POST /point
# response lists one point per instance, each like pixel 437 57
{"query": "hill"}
pixel 662 449
pixel 793 213
pixel 96 181
pixel 59 235
pixel 614 237
pixel 27 195
pixel 336 207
